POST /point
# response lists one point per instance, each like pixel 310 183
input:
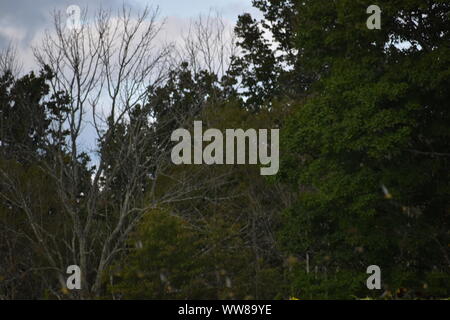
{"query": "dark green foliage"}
pixel 173 261
pixel 370 146
pixel 26 111
pixel 364 179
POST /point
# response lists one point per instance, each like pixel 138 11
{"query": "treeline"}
pixel 364 169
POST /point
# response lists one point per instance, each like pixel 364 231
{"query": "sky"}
pixel 23 22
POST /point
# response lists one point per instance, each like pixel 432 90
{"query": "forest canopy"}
pixel 364 171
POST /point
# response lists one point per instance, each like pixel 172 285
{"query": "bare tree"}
pixel 105 68
pixel 209 44
pixel 9 60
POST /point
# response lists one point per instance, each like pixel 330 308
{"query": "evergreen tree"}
pixel 370 146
